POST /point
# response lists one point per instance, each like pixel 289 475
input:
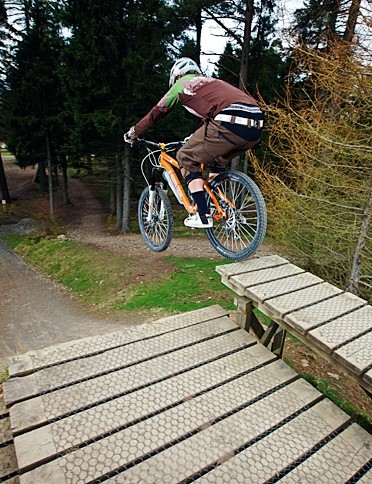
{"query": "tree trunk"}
pixel 332 20
pixel 198 26
pixel 111 175
pixel 41 177
pixel 112 195
pixel 357 259
pixel 3 184
pixel 244 60
pixel 50 178
pixel 354 11
pixel 125 228
pixel 66 198
pixel 119 193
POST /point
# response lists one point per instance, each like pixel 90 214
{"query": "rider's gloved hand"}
pixel 130 135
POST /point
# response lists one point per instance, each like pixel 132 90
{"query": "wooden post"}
pixel 244 312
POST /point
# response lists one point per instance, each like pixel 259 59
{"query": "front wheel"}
pixel 155 219
pixel 238 233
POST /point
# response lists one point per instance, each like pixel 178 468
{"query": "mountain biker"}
pixel 232 124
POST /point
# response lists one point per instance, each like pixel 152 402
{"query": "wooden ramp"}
pixel 189 398
pixel 335 324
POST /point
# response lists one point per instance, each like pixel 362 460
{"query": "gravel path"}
pixel 36 313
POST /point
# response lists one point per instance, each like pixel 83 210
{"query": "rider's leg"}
pixel 195 184
pixel 211 144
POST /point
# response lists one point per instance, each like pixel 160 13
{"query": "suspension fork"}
pixel 152 185
pixel 152 191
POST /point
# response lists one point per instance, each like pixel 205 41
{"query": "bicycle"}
pixel 236 204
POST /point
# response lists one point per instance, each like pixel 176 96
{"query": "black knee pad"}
pixel 194 175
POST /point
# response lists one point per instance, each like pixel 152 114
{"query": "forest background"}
pixel 76 74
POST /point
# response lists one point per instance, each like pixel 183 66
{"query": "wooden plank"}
pixel 17 388
pixel 277 346
pixel 48 473
pixel 91 392
pixel 64 436
pixel 251 265
pixel 266 458
pixel 356 355
pixel 304 320
pixel 23 364
pixel 269 333
pixel 337 461
pixel 246 280
pixel 191 454
pixel 272 290
pixel 282 305
pixel 156 396
pixel 54 377
pixel 331 335
pixel 227 283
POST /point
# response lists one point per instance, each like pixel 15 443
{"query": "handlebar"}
pixel 162 146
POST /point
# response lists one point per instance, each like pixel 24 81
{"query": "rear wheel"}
pixel 239 233
pixel 155 219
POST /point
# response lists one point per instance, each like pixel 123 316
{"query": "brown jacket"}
pixel 203 96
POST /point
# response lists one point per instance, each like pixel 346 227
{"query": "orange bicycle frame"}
pixel 167 162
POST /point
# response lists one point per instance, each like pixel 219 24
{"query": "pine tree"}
pixel 321 182
pixel 115 69
pixel 32 96
pixel 321 23
pixel 253 51
pixel 227 66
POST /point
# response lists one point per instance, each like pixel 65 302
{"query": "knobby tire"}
pixel 157 232
pixel 239 234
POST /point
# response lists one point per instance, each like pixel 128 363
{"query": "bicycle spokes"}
pixel 238 232
pixel 155 219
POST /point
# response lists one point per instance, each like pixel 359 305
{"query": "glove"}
pixel 130 135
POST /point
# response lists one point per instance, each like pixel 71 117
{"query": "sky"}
pixel 213 45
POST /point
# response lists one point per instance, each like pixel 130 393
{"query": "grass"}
pixel 11 213
pixel 102 279
pixel 192 284
pixel 91 275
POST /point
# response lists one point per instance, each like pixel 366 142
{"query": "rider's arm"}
pixel 166 103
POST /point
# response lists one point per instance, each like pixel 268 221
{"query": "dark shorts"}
pixel 214 144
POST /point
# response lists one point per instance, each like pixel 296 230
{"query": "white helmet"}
pixel 181 67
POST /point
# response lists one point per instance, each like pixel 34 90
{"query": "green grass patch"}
pixel 103 279
pixel 192 284
pixel 92 275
